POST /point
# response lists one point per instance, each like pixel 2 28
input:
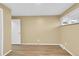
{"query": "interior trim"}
pixel 38 44
pixel 63 47
pixel 7 52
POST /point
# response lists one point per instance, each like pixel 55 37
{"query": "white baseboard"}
pixel 62 46
pixel 7 52
pixel 38 44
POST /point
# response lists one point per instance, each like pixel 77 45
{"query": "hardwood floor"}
pixel 38 50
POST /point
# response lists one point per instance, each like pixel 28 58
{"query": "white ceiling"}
pixel 73 14
pixel 37 9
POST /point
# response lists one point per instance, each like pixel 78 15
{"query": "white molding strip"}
pixel 38 44
pixel 7 52
pixel 62 46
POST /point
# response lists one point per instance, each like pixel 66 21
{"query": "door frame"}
pixel 2 29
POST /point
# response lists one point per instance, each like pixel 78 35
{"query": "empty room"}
pixel 39 29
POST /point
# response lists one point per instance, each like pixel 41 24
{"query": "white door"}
pixel 1 31
pixel 16 31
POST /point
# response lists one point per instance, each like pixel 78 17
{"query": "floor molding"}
pixel 7 52
pixel 38 44
pixel 62 46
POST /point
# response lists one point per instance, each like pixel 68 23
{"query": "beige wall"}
pixel 7 33
pixel 40 29
pixel 70 34
pixel 70 38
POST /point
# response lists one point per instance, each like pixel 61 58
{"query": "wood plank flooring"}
pixel 38 50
